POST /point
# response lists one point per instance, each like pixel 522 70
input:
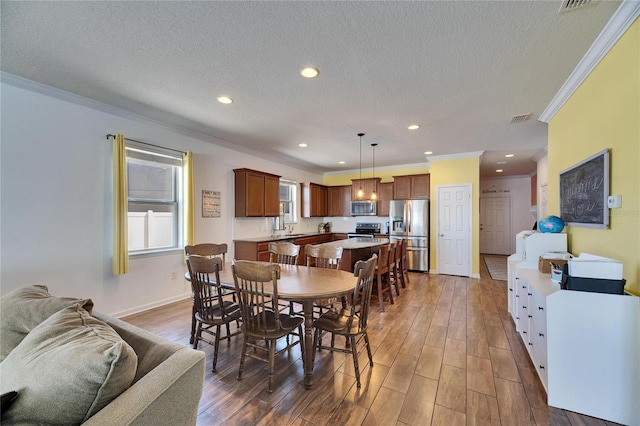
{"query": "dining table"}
pixel 304 285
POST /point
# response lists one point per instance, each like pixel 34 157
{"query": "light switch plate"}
pixel 614 201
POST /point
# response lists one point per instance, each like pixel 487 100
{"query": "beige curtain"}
pixel 120 208
pixel 189 200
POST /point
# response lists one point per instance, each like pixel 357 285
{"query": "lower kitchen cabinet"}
pixel 585 346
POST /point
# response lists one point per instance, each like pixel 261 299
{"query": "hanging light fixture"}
pixel 360 192
pixel 374 196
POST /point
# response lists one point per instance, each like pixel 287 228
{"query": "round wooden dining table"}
pixel 304 285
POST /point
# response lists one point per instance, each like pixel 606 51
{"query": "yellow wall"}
pixel 451 172
pixel 605 113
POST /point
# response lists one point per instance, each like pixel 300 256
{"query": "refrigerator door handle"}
pixel 409 207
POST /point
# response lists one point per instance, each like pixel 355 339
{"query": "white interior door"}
pixel 542 202
pixel 454 230
pixel 495 225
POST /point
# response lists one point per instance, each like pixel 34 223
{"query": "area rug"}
pixel 497 266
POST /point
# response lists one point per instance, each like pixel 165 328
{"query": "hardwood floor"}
pixel 446 353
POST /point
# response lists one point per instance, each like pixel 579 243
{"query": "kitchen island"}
pixel 354 249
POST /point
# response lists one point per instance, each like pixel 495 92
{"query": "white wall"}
pixel 55 199
pixel 519 191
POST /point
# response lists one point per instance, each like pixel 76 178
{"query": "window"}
pixel 288 201
pixel 154 178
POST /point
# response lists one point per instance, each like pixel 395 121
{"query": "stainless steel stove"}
pixel 365 230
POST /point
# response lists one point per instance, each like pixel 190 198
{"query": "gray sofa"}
pixel 167 386
pixel 69 364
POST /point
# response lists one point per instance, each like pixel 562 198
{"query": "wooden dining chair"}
pixel 207 250
pixel 392 276
pixel 261 319
pixel 350 321
pixel 284 253
pixel 398 273
pixel 381 281
pixel 403 260
pixel 325 256
pixel 211 309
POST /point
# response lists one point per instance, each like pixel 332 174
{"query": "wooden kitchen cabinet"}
pixel 259 251
pixel 314 200
pixel 339 200
pixel 411 187
pixel 385 194
pixel 257 194
pixel 367 185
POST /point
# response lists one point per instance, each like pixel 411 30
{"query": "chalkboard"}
pixel 584 189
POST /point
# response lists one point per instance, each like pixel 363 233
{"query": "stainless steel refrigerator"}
pixel 409 219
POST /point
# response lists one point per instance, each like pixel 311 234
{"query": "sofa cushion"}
pixel 23 309
pixel 67 368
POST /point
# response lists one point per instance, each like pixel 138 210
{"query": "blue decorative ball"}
pixel 552 224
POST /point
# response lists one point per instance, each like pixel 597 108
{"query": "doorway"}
pixel 454 230
pixel 495 225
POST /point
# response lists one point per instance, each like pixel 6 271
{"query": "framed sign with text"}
pixel 210 203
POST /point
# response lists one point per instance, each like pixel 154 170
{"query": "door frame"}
pixel 469 220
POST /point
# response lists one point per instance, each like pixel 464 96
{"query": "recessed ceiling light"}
pixel 501 162
pixel 302 145
pixel 342 162
pixel 499 171
pixel 428 152
pixel 225 99
pixel 309 72
pixel 413 127
pixel 509 155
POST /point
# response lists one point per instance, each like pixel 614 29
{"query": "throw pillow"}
pixel 67 369
pixel 24 308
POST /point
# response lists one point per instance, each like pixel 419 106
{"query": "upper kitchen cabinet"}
pixel 385 194
pixel 339 200
pixel 314 200
pixel 411 187
pixel 257 194
pixel 368 187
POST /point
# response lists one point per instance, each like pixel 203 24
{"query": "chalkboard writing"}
pixel 584 189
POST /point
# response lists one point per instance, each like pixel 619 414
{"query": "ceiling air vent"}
pixel 520 118
pixel 568 5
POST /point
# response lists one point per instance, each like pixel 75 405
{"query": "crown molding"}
pixel 434 158
pixel 621 20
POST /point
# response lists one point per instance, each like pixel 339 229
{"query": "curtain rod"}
pixel 109 135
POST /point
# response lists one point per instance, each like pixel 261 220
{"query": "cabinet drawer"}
pixel 263 247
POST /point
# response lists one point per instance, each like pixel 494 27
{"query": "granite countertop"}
pixel 283 237
pixel 359 243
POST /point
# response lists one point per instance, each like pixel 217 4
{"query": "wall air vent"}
pixel 568 5
pixel 520 118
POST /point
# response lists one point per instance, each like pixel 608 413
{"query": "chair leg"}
pixel 380 298
pixel 193 323
pixel 354 352
pixel 216 344
pixel 228 332
pixel 272 363
pixel 368 346
pixel 242 356
pixel 197 334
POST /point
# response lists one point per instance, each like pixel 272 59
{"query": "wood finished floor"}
pixel 446 353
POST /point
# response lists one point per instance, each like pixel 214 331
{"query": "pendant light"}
pixel 360 192
pixel 374 196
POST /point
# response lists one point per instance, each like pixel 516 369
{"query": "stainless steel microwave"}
pixel 364 208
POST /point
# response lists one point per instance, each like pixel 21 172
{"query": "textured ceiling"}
pixel 459 69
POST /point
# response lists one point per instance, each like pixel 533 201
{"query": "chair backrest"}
pixel 208 250
pixel 391 261
pixel 383 259
pixel 284 253
pixel 323 256
pixel 399 245
pixel 257 306
pixel 205 284
pixel 365 271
